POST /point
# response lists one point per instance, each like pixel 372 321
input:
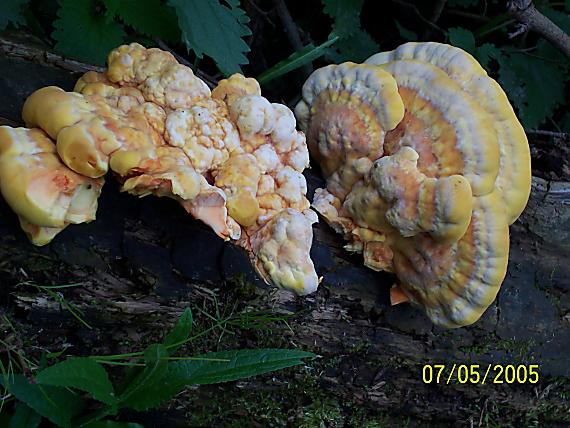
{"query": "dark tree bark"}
pixel 144 260
pixel 531 19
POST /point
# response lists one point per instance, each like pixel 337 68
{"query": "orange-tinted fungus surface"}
pixel 425 195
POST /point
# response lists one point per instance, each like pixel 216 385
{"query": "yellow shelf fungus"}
pixel 230 157
pixel 426 167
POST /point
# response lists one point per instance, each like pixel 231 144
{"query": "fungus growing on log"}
pixel 230 157
pixel 426 166
pixel 45 194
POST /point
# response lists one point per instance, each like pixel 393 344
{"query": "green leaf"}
pixel 82 33
pixel 52 402
pixel 180 332
pixel 113 424
pixel 355 48
pixel 24 417
pixel 11 11
pixel 485 53
pixel 83 374
pixel 216 30
pixel 534 81
pixel 405 33
pixel 296 60
pixel 140 392
pixel 536 86
pixel 463 39
pixel 238 364
pixel 216 367
pixel 345 15
pixel 149 17
pixel 239 14
pixel 355 44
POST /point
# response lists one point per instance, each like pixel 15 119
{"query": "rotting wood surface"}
pixel 146 256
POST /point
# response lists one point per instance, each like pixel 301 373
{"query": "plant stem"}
pixel 531 19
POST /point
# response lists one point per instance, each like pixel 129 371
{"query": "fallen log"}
pixel 144 260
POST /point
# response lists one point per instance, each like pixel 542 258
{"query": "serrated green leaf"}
pixel 180 332
pixel 24 417
pixel 463 39
pixel 405 33
pixel 11 11
pixel 80 373
pixel 113 424
pixel 140 392
pixel 536 86
pixel 345 15
pixel 54 403
pixel 239 14
pixel 239 364
pixel 216 30
pixel 149 17
pixel 485 53
pixel 296 60
pixel 355 48
pixel 82 33
pixel 354 43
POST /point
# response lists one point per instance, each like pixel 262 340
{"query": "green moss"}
pixel 322 413
pixel 521 349
pixel 301 403
pixel 517 348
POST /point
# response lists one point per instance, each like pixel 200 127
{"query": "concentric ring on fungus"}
pixel 429 194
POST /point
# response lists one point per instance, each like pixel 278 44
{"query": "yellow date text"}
pixel 480 374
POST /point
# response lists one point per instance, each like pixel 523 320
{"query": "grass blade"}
pixel 298 59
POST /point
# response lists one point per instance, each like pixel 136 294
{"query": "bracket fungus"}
pixel 45 194
pixel 230 157
pixel 426 167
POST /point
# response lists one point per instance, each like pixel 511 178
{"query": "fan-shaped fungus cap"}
pixel 346 110
pixel 45 194
pixel 427 200
pixel 513 180
pixel 455 283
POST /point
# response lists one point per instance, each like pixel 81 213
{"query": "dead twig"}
pixel 469 15
pixel 14 49
pixel 531 19
pixel 562 135
pixel 291 30
pixel 520 29
pixel 434 17
pixel 419 15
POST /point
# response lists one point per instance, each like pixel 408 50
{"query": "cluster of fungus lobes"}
pixel 425 162
pixel 426 167
pixel 230 157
